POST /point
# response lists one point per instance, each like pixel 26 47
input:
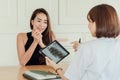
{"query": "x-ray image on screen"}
pixel 55 51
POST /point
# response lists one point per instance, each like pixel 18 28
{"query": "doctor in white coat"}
pixel 98 59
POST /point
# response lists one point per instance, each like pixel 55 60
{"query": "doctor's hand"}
pixel 75 45
pixel 51 63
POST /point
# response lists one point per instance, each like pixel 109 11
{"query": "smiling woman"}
pixel 29 44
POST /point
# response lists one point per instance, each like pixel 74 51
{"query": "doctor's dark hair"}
pixel 47 34
pixel 106 19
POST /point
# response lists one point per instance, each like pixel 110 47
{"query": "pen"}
pixel 79 40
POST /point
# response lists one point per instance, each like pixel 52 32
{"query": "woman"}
pixel 29 44
pixel 97 59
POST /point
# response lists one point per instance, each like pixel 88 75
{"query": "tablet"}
pixel 55 51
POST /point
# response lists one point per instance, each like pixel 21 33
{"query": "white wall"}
pixel 68 20
pixel 14 18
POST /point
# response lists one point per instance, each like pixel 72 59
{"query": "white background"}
pixel 68 19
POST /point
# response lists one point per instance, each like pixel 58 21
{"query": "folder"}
pixel 40 75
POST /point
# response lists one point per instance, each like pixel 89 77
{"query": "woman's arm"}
pixel 23 55
pixel 56 68
pixel 41 42
pixel 60 72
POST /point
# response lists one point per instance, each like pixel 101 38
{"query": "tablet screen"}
pixel 55 51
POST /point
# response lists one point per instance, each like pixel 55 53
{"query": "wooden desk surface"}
pixel 16 72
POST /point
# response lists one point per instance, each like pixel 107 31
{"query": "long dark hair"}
pixel 47 34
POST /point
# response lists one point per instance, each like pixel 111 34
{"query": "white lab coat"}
pixel 96 60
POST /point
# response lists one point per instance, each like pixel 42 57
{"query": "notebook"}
pixel 55 51
pixel 40 75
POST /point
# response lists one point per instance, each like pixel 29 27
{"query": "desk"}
pixel 15 72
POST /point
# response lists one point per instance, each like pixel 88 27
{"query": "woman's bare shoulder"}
pixel 21 35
